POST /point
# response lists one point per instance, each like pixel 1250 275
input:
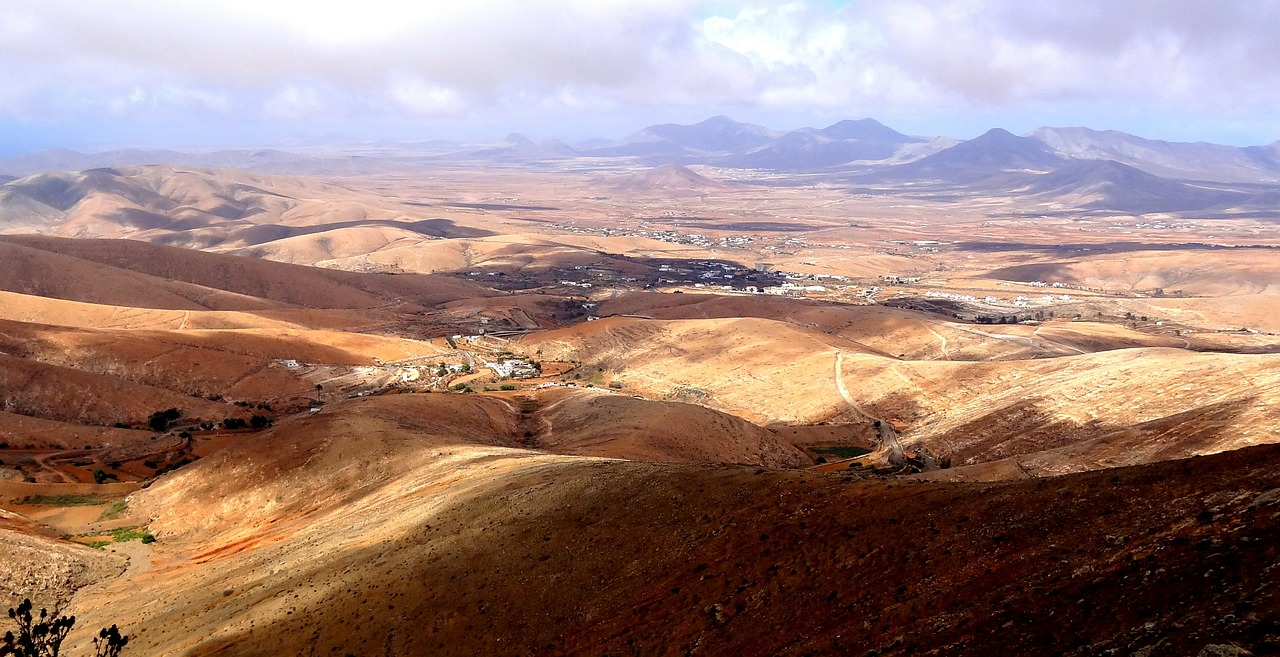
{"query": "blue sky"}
pixel 207 73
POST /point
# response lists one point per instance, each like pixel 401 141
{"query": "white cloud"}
pixel 268 59
pixel 422 98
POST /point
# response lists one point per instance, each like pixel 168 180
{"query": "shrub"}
pixel 69 499
pixel 234 423
pixel 260 421
pixel 160 420
pixel 508 386
pixel 114 511
pixel 44 637
pixel 126 534
pixel 176 464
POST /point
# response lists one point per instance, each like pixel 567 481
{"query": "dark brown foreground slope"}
pixel 413 525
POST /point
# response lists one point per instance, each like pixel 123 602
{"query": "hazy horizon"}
pixel 244 74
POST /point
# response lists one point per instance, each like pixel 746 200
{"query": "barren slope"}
pixel 978 411
pixel 727 364
pixel 129 273
pixel 51 392
pixel 593 423
pixel 910 335
pixel 373 530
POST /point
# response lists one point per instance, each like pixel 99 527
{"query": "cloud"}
pixel 285 59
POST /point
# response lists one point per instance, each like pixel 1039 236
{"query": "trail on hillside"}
pixel 844 391
pixel 889 449
pixel 943 346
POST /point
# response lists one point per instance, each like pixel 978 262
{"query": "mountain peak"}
pixel 864 130
pixel 716 134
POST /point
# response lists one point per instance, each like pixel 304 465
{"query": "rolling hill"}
pixel 976 411
pixel 132 273
pixel 321 535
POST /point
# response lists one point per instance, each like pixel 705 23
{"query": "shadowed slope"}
pixel 590 423
pixel 147 275
pixel 380 531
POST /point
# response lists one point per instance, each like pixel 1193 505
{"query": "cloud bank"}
pixel 261 60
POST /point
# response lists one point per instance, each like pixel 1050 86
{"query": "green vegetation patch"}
pixel 70 499
pixel 126 534
pixel 114 511
pixel 842 451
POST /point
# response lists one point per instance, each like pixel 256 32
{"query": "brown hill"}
pixel 21 430
pixel 68 395
pixel 725 364
pixel 130 273
pixel 320 537
pixel 204 208
pixel 668 179
pixel 908 334
pixel 592 423
pixel 977 411
pixel 44 568
pixel 161 360
pixel 1246 271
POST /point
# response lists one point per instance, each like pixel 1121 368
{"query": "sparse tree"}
pixel 43 636
pixel 110 641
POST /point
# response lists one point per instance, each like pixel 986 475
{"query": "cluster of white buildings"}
pixel 508 368
pixel 1023 302
pixel 1043 284
pixel 950 295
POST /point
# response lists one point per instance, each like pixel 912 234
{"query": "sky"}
pixel 222 73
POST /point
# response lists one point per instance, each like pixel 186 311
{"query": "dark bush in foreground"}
pixel 44 637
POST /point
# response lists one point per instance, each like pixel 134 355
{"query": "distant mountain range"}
pixel 1088 169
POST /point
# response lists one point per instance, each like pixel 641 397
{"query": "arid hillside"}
pixel 328 534
pixel 130 273
pixel 1119 406
pixel 591 423
pixel 472 405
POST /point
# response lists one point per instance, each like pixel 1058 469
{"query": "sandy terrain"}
pixel 673 507
pixel 978 411
pixel 348 513
pixel 596 423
